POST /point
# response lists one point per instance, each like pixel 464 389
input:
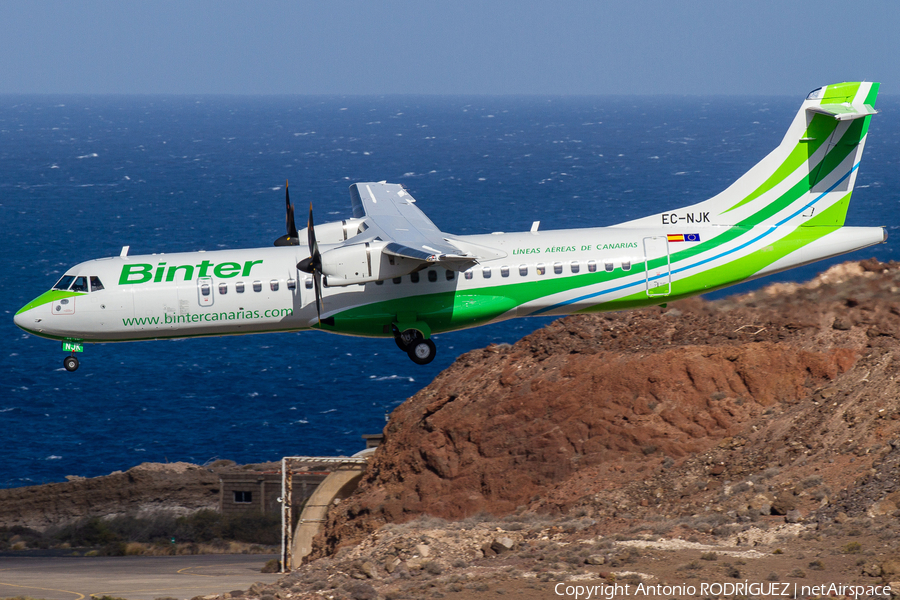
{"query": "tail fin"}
pixel 812 171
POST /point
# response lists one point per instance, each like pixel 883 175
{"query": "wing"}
pixel 391 216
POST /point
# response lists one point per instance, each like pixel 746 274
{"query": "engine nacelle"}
pixel 334 232
pixel 362 263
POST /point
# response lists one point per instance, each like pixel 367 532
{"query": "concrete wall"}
pixel 264 489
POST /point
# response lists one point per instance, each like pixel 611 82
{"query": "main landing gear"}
pixel 420 350
pixel 70 363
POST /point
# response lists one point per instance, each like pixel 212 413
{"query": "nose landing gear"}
pixel 73 346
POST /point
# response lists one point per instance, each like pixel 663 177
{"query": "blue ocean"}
pixel 82 176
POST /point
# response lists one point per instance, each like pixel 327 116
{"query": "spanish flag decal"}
pixel 683 237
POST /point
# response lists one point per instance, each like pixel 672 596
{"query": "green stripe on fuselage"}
pixel 446 311
pixel 47 298
pixel 744 267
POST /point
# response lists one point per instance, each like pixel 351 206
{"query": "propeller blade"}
pixel 311 235
pixel 291 225
pixel 317 282
pixel 291 238
pixel 313 264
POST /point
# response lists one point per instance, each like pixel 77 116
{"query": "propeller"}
pixel 292 238
pixel 313 264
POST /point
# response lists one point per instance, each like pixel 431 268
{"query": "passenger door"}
pixel 658 277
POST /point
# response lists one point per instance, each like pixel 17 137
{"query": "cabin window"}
pixel 292 284
pixel 540 268
pixel 308 283
pixel 609 266
pixel 592 266
pixel 96 286
pixel 504 271
pixel 205 289
pixel 575 266
pixel 64 282
pixel 257 286
pixel 243 497
pixel 274 285
pixel 450 275
pixel 432 276
pixel 397 279
pixel 486 272
pixel 223 288
pixel 414 277
pixel 469 274
pixel 626 265
pixel 523 270
pixel 239 287
pixel 557 268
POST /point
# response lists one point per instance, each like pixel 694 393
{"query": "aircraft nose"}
pixel 19 319
pixel 30 316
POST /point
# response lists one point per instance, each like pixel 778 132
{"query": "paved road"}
pixel 131 577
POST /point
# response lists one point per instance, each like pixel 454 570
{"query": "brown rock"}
pixel 793 516
pixel 369 570
pixel 890 567
pixel 872 570
pixel 361 591
pixel 502 544
pixel 391 564
pixel 762 503
pixel 783 504
pixel 881 508
pixel 841 325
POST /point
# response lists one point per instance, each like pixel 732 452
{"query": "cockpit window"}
pixel 64 282
pixel 80 285
pixel 96 286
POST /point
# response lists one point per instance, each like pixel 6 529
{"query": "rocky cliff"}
pixel 656 409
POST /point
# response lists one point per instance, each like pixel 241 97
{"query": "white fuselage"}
pixel 231 292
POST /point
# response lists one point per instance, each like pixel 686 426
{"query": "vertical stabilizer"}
pixel 812 170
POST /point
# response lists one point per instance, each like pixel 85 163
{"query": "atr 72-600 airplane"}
pixel 389 272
